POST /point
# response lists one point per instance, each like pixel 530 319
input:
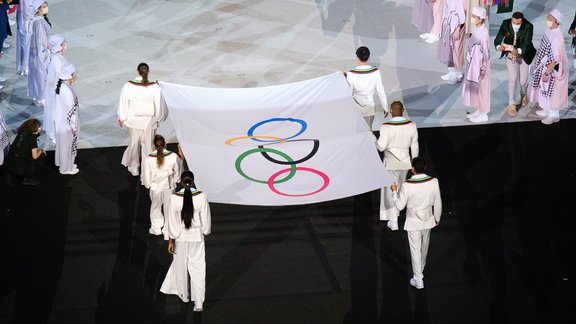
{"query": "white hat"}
pixel 479 12
pixel 55 43
pixel 36 4
pixel 556 14
pixel 66 71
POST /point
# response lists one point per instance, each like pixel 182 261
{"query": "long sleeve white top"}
pixel 421 196
pixel 141 106
pixel 364 81
pixel 201 222
pixel 163 177
pixel 398 139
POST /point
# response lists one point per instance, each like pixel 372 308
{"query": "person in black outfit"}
pixel 25 158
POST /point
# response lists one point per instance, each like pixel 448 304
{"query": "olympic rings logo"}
pixel 283 175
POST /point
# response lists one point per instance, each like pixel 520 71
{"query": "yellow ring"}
pixel 279 139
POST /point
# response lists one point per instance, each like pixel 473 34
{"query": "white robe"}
pixel 142 109
pixel 38 62
pixel 161 181
pixel 24 15
pixel 399 142
pixel 56 61
pixel 188 269
pixel 66 119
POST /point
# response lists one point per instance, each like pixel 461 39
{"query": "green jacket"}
pixel 523 39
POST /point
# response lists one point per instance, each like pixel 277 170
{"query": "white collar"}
pixel 419 176
pixel 398 118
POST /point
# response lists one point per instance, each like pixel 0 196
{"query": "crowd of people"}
pixel 182 216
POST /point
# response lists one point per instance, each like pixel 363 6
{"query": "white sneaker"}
pixel 417 283
pixel 455 78
pixel 6 44
pixel 2 79
pixel 134 171
pixel 71 172
pixel 432 39
pixel 542 113
pixel 446 76
pixel 473 115
pixel 425 35
pixel 553 117
pixel 481 118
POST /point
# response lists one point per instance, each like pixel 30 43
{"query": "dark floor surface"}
pixel 75 249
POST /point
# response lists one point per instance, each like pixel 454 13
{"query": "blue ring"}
pixel 299 121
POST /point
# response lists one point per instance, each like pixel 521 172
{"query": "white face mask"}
pixel 516 27
pixel 549 23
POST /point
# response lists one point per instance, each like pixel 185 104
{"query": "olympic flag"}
pixel 291 144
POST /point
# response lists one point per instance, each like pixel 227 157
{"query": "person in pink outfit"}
pixel 451 45
pixel 476 89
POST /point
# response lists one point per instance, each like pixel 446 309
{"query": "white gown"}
pixel 66 118
pixel 56 61
pixel 24 15
pixel 38 62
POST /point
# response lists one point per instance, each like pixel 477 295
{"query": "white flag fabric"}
pixel 291 144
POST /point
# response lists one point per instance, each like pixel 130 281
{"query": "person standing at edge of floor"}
pixel 421 196
pixel 551 72
pixel 514 41
pixel 365 80
pixel 398 140
pixel 57 47
pixel 141 109
pixel 438 16
pixel 476 87
pixel 188 222
pixel 66 121
pixel 451 44
pixel 160 170
pixel 24 16
pixel 38 62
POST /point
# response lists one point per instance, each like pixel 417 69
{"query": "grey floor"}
pixel 251 43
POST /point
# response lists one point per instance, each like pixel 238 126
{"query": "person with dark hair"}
pixel 365 80
pixel 189 221
pixel 141 109
pixel 398 140
pixel 57 46
pixel 551 72
pixel 160 170
pixel 514 41
pixel 38 61
pixel 24 157
pixel 451 45
pixel 421 196
pixel 66 121
pixel 476 89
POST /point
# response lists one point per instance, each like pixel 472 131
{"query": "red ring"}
pixel 275 175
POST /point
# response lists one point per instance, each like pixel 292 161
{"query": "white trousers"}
pixel 63 153
pixel 187 274
pixel 419 242
pixel 518 70
pixel 158 199
pixel 139 145
pixel 387 209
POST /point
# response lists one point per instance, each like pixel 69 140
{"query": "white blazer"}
pixel 421 197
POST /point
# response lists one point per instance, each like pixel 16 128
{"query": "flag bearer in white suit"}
pixel 66 121
pixel 365 80
pixel 421 196
pixel 398 140
pixel 141 109
pixel 188 223
pixel 160 170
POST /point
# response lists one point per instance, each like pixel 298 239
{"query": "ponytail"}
pixel 143 70
pixel 58 86
pixel 187 213
pixel 159 143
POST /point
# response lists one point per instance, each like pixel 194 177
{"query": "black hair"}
pixel 143 70
pixel 419 164
pixel 397 103
pixel 159 144
pixel 363 53
pixel 187 213
pixel 518 15
pixel 58 86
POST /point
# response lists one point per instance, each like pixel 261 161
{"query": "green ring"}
pixel 269 150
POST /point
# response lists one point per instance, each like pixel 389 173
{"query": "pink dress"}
pixel 476 89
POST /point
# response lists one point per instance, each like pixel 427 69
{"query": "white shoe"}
pixel 197 307
pixel 542 113
pixel 446 76
pixel 425 35
pixel 38 103
pixel 6 44
pixel 455 78
pixel 2 79
pixel 134 171
pixel 473 115
pixel 481 118
pixel 432 39
pixel 11 22
pixel 71 172
pixel 553 117
pixel 417 283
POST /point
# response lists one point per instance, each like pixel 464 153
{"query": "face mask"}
pixel 45 12
pixel 549 23
pixel 516 27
